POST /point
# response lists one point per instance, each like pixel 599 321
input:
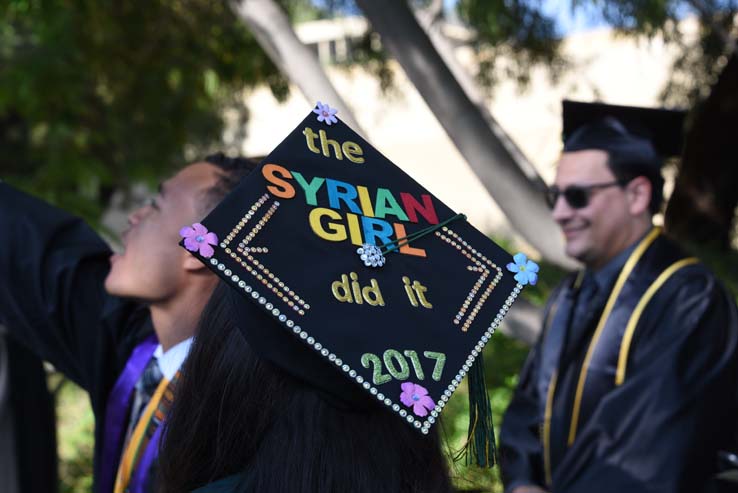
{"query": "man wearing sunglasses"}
pixel 631 386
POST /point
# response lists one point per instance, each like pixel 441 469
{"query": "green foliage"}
pixel 96 94
pixel 699 60
pixel 511 38
pixel 503 359
pixel 514 35
pixel 75 425
pixel 370 53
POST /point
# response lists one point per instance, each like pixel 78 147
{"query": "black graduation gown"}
pixel 34 425
pixel 660 427
pixel 53 301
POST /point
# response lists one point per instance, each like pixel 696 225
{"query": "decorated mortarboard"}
pixel 631 135
pixel 371 284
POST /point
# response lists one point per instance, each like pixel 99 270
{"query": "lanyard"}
pixel 138 440
pixel 116 412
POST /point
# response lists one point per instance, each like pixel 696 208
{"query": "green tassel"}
pixel 480 445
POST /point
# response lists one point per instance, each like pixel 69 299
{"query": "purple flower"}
pixel 416 396
pixel 526 271
pixel 198 239
pixel 326 113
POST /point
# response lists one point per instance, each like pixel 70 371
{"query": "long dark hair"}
pixel 235 412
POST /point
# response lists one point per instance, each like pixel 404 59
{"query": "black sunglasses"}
pixel 577 196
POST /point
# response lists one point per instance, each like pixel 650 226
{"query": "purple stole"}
pixel 119 402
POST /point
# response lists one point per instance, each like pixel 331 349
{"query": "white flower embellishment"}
pixel 371 255
pixel 326 113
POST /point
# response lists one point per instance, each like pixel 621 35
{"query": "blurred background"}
pixel 100 100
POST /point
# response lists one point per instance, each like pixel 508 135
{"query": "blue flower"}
pixel 526 271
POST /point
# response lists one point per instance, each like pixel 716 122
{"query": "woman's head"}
pixel 236 412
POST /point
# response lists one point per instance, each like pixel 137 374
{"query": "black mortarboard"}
pixel 310 238
pixel 632 136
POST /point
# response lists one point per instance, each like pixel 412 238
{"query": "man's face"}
pixel 151 266
pixel 596 233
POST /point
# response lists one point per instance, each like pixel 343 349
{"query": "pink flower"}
pixel 326 113
pixel 416 396
pixel 198 239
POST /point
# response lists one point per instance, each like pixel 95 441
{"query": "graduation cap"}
pixel 354 278
pixel 631 135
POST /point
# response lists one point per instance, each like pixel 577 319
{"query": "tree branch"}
pixel 495 166
pixel 274 33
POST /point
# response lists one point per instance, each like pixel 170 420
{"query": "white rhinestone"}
pixel 485 338
pixel 318 346
pixel 242 284
pixel 446 394
pixel 436 411
pixel 443 402
pixel 475 353
pixel 282 318
pixel 235 278
pixel 338 362
pixel 424 431
pixel 221 267
pixel 296 330
pixel 410 419
pixel 431 420
pixel 275 312
pixel 366 385
pixel 373 391
pixel 227 272
pixel 262 300
pixel 403 413
pixel 465 367
pixel 290 323
pixel 303 335
pixel 395 407
pixel 418 424
pixel 268 306
pixel 352 373
pixel 387 401
pixel 222 245
pixel 255 295
pixel 214 261
pixel 359 379
pixel 462 373
pixel 311 340
pixel 345 367
pixel 248 289
pixel 332 357
pixel 324 352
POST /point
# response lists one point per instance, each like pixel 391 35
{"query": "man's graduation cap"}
pixel 358 279
pixel 632 136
